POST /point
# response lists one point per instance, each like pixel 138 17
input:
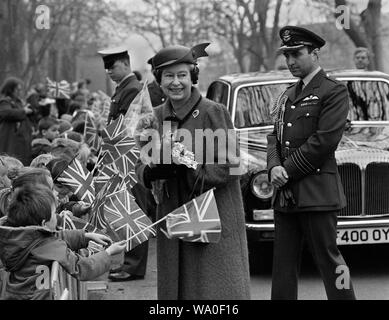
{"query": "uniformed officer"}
pixel 310 117
pixel 117 65
pixel 157 96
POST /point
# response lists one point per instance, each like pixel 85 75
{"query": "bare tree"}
pixel 244 23
pixel 32 53
pixel 167 22
pixel 365 30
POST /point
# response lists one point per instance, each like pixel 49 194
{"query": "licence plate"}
pixel 363 236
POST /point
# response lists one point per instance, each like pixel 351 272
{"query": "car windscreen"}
pixel 254 103
pixel 369 101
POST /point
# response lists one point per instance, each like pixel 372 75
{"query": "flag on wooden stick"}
pixel 196 221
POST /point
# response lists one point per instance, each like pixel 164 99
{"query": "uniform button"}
pixel 287 143
pixel 163 99
pixel 293 107
pixel 307 115
pixel 318 170
pixel 289 124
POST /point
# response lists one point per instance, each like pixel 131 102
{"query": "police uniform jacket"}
pixel 156 94
pixel 123 96
pixel 307 131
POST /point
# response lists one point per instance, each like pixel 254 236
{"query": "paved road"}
pixel 369 267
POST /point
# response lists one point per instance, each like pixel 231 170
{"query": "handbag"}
pixel 197 220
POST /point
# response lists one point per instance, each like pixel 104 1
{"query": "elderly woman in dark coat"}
pixel 15 126
pixel 189 270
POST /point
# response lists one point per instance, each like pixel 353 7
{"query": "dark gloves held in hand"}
pixel 286 197
pixel 159 172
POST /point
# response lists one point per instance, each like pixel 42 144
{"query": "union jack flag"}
pixel 106 172
pixel 141 105
pixel 127 219
pixel 97 212
pixel 196 221
pixel 79 180
pixel 58 89
pixel 74 223
pixel 91 133
pixel 105 105
pixel 126 166
pixel 115 142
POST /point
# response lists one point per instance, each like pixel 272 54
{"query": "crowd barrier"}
pixel 66 287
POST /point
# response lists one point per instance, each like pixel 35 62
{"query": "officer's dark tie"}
pixel 299 88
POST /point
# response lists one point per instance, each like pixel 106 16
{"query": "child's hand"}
pixel 116 248
pixel 98 238
pixel 65 212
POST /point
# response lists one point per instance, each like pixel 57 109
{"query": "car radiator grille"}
pixel 367 191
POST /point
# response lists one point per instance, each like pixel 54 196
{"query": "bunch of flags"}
pixel 107 188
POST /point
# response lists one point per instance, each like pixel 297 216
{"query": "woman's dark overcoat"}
pixel 195 270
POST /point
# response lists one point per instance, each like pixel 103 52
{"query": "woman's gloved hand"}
pixel 159 172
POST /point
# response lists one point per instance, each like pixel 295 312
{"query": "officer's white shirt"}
pixel 310 76
pixel 126 77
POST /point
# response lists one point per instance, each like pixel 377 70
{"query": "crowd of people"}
pixel 41 136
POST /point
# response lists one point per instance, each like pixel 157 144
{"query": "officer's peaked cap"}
pixel 178 54
pixel 294 38
pixel 110 56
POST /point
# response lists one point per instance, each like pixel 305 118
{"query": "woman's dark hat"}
pixel 178 54
pixel 110 56
pixel 294 38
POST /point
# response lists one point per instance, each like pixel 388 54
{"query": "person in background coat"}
pixel 310 117
pixel 188 270
pixel 118 67
pixel 15 126
pixel 157 96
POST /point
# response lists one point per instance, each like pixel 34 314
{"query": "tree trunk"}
pixel 371 20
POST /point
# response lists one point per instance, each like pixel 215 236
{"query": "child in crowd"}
pixel 48 131
pixel 67 200
pixel 9 166
pixel 29 245
pixel 42 160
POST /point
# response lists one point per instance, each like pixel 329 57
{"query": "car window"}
pixel 254 104
pixel 369 100
pixel 218 92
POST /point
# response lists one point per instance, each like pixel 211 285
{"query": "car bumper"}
pixel 351 230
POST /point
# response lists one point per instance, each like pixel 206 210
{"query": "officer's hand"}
pixel 278 176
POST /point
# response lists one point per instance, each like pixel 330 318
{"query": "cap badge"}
pixel 195 113
pixel 286 36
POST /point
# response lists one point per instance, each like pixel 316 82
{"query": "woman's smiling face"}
pixel 176 82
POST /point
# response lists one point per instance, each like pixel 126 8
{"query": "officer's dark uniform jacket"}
pixel 156 94
pixel 123 96
pixel 306 134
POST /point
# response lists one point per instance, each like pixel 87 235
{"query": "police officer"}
pixel 117 65
pixel 156 94
pixel 310 117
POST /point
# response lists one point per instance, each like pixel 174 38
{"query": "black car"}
pixel 362 155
